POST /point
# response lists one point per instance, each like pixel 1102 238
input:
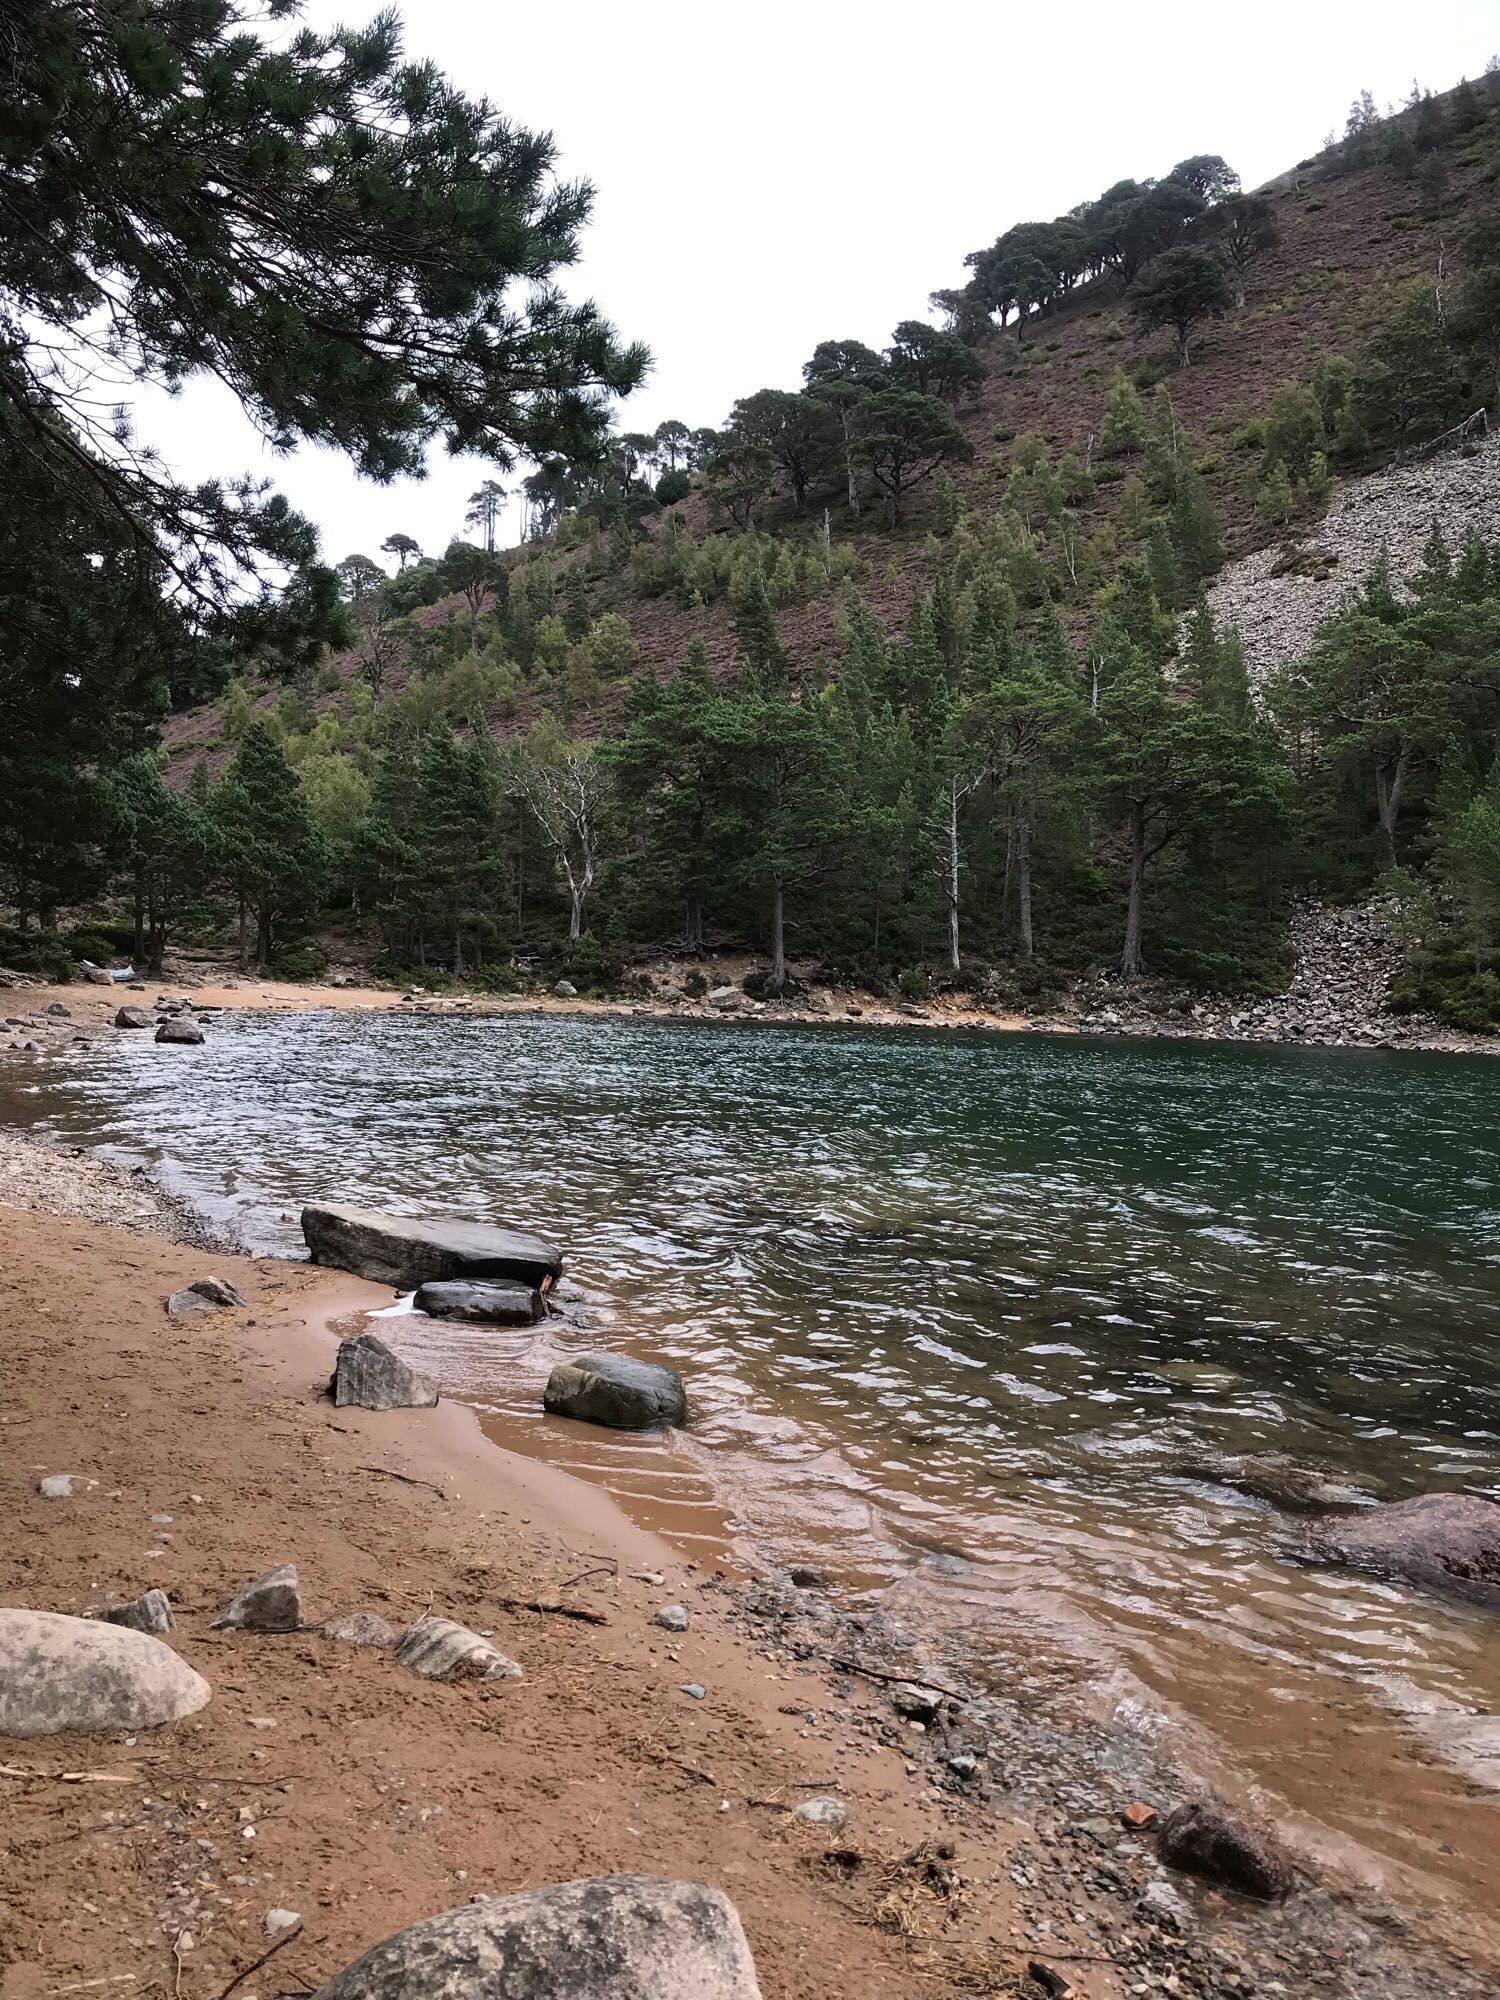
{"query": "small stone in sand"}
pixel 274 1922
pixel 57 1486
pixel 822 1812
pixel 695 1689
pixel 672 1618
pixel 269 1603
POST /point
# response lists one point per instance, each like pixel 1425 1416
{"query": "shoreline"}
pixel 1042 1816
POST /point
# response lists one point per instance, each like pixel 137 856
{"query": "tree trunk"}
pixel 693 926
pixel 953 958
pixel 778 934
pixel 1023 880
pixel 244 951
pixel 262 936
pixel 1130 958
pixel 575 921
pixel 1388 790
pixel 458 950
pixel 140 916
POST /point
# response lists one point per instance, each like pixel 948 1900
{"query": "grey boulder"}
pixel 565 990
pixel 441 1650
pixel 178 1030
pixel 59 1673
pixel 1202 1839
pixel 408 1251
pixel 269 1603
pixel 151 1612
pixel 134 1017
pixel 609 1937
pixel 368 1376
pixel 489 1304
pixel 204 1295
pixel 614 1389
pixel 1270 1476
pixel 1443 1542
pixel 725 998
pixel 359 1628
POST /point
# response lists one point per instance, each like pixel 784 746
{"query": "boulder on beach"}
pixel 204 1295
pixel 269 1603
pixel 1202 1838
pixel 59 1673
pixel 609 1937
pixel 151 1612
pixel 406 1251
pixel 617 1390
pixel 368 1375
pixel 134 1017
pixel 1444 1542
pixel 440 1649
pixel 488 1304
pixel 174 1029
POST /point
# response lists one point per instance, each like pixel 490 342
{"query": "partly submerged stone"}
pixel 359 1628
pixel 488 1303
pixel 269 1603
pixel 368 1376
pixel 204 1295
pixel 59 1673
pixel 439 1649
pixel 1271 1476
pixel 407 1251
pixel 176 1029
pixel 134 1017
pixel 1201 1838
pixel 610 1937
pixel 151 1612
pixel 615 1389
pixel 1444 1542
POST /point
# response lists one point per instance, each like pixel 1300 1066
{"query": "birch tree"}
pixel 565 789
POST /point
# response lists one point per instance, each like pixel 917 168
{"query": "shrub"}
pixel 298 961
pixel 914 983
pixel 695 985
pixel 41 953
pixel 498 979
pixel 672 487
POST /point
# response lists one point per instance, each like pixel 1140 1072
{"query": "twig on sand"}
pixel 556 1607
pixel 264 1959
pixel 603 1566
pixel 69 1777
pixel 897 1680
pixel 405 1478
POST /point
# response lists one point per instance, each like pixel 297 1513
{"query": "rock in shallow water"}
pixel 614 1389
pixel 610 1937
pixel 489 1304
pixel 1297 1489
pixel 1202 1839
pixel 134 1017
pixel 407 1251
pixel 176 1030
pixel 369 1376
pixel 59 1673
pixel 1444 1542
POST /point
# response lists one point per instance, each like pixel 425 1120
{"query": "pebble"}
pixel 672 1618
pixel 821 1812
pixel 694 1688
pixel 274 1922
pixel 57 1486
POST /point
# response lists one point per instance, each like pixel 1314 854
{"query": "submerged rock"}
pixel 1444 1542
pixel 177 1030
pixel 269 1603
pixel 151 1612
pixel 610 1937
pixel 1201 1838
pixel 614 1389
pixel 1297 1489
pixel 368 1375
pixel 408 1251
pixel 441 1650
pixel 59 1673
pixel 490 1304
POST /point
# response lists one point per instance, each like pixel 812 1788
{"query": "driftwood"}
pixel 898 1680
pixel 556 1606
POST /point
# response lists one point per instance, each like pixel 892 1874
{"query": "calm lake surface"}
pixel 955 1311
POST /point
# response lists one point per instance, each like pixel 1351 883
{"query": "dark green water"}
pixel 975 1295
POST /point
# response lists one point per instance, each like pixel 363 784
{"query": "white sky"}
pixel 800 170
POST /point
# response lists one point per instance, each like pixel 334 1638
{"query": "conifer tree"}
pixel 273 856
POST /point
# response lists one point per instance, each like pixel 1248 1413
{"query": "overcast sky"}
pixel 801 170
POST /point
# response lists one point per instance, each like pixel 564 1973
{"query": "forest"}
pixel 1048 760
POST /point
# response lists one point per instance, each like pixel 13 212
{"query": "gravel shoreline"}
pixel 47 1179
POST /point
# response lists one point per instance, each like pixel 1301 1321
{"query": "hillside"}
pixel 1349 242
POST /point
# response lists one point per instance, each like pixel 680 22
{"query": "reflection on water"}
pixel 972 1297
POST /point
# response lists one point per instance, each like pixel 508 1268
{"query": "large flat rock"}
pixel 62 1674
pixel 407 1251
pixel 609 1937
pixel 1443 1542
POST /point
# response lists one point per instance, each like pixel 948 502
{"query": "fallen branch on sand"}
pixel 898 1680
pixel 405 1478
pixel 556 1607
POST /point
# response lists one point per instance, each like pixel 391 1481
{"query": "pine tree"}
pixel 1124 426
pixel 273 856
